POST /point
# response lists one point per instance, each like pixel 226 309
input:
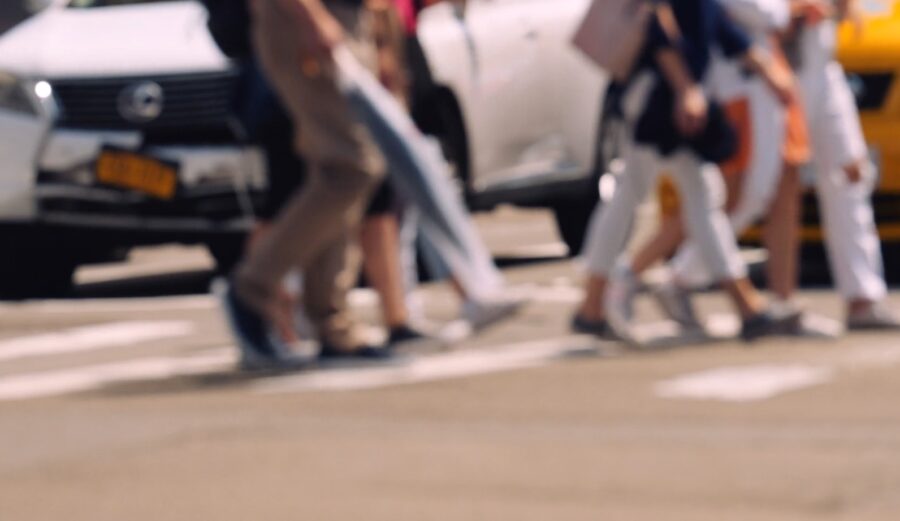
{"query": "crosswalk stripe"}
pixel 744 384
pixel 754 383
pixel 81 379
pixel 433 368
pixel 94 337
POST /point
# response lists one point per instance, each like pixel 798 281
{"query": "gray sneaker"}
pixel 486 312
pixel 676 303
pixel 618 301
pixel 878 317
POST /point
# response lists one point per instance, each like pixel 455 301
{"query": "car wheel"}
pixel 891 252
pixel 227 253
pixel 573 213
pixel 572 219
pixel 27 273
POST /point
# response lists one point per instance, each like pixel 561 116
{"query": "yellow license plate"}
pixel 137 172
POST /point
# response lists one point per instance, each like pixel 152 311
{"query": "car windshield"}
pixel 107 3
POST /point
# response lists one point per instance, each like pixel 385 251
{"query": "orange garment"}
pixel 738 114
pixel 797 148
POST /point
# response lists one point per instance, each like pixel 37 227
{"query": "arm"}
pixel 847 9
pixel 778 77
pixel 691 105
pixel 735 43
pixel 811 12
pixel 317 30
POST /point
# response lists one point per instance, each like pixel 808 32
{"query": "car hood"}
pixel 132 40
pixel 876 47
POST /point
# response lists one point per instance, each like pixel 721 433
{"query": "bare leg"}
pixel 379 238
pixel 781 236
pixel 747 300
pixel 667 239
pixel 591 308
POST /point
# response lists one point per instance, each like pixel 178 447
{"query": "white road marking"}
pixel 67 381
pixel 432 368
pixel 744 384
pixel 92 338
pixel 539 294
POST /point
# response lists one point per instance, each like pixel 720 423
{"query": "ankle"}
pixel 857 306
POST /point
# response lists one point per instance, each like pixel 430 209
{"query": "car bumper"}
pixel 219 186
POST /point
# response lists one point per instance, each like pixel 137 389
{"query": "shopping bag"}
pixel 613 33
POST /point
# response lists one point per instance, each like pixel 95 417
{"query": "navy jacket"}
pixel 703 26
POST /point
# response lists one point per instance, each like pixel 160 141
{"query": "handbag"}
pixel 612 34
pixel 716 143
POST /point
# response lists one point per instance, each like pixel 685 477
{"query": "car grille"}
pixel 870 90
pixel 195 107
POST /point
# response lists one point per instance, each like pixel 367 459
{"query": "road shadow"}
pixel 164 285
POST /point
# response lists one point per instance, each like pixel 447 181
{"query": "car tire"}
pixel 891 252
pixel 29 273
pixel 572 219
pixel 227 253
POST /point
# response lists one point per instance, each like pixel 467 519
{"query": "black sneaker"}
pixel 597 328
pixel 260 350
pixel 766 324
pixel 329 353
pixel 405 333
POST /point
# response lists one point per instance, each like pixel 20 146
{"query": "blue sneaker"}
pixel 260 349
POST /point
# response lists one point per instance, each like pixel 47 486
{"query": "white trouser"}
pixel 760 181
pixel 702 205
pixel 851 236
pixel 702 211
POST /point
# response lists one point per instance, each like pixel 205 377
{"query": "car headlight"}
pixel 21 96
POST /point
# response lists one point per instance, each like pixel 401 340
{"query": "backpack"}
pixel 613 32
pixel 229 25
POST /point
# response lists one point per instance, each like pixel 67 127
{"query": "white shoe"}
pixel 488 311
pixel 618 300
pixel 675 302
pixel 878 317
pixel 804 324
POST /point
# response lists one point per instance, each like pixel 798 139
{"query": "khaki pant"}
pixel 316 232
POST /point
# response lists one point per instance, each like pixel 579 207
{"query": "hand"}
pixel 813 12
pixel 691 111
pixel 849 11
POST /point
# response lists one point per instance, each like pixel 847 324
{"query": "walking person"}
pixel 316 231
pixel 845 177
pixel 844 182
pixel 763 179
pixel 675 128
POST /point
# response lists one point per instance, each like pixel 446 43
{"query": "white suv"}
pixel 520 111
pixel 116 130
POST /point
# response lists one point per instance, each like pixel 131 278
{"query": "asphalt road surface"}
pixel 121 404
